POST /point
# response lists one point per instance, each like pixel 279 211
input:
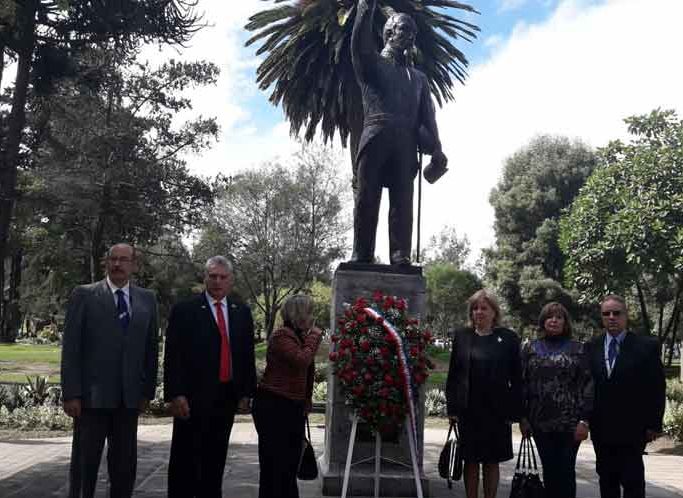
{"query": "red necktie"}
pixel 224 372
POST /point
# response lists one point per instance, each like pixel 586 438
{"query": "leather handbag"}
pixel 450 459
pixel 308 465
pixel 526 483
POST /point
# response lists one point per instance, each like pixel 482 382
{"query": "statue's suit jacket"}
pixel 103 364
pixel 192 353
pixel 630 400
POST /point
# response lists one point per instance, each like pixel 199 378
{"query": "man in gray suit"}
pixel 109 369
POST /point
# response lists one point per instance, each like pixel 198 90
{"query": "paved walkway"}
pixel 38 468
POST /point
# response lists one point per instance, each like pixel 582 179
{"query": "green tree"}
pixel 282 227
pixel 448 289
pixel 43 36
pixel 526 264
pixel 447 247
pixel 308 60
pixel 624 232
pixel 106 166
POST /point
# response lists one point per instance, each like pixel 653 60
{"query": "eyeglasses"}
pixel 122 259
pixel 611 313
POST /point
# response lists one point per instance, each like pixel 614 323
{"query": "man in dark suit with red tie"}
pixel 629 401
pixel 209 375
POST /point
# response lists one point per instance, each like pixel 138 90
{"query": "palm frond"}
pixel 308 61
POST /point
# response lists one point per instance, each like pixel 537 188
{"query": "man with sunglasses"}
pixel 629 401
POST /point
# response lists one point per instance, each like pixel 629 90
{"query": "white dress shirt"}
pixel 126 294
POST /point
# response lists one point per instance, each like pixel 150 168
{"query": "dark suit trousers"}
pixel 119 427
pixel 280 426
pixel 558 457
pixel 199 447
pixel 620 466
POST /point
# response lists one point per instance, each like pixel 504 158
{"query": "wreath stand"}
pixel 378 458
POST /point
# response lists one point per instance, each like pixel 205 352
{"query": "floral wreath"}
pixel 379 357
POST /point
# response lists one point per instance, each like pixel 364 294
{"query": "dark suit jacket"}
pixel 101 363
pixel 506 390
pixel 632 399
pixel 192 352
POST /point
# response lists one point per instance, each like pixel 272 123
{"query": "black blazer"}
pixel 632 399
pixel 192 352
pixel 506 389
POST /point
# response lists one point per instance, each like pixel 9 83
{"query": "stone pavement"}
pixel 38 468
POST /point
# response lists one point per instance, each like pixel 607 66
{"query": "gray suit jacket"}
pixel 103 364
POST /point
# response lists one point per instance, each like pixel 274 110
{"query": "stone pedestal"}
pixel 350 282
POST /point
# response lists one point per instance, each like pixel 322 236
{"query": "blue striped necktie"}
pixel 122 309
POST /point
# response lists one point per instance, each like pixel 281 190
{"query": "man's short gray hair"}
pixel 218 261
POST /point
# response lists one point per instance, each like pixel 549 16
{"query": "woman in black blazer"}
pixel 483 392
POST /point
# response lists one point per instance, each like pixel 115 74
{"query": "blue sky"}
pixel 565 67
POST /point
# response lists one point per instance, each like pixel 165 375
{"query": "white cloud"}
pixel 509 5
pixel 242 143
pixel 577 74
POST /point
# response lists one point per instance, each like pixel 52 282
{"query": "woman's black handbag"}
pixel 526 482
pixel 450 460
pixel 308 466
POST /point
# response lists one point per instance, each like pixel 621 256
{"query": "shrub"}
pixel 674 391
pixel 11 396
pixel 435 403
pixel 320 372
pixel 320 392
pixel 673 420
pixel 35 417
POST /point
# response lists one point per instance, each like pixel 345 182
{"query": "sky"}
pixel 563 67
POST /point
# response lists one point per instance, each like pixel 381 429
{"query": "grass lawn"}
pixel 19 360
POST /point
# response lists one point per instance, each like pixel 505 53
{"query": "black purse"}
pixel 526 483
pixel 450 459
pixel 308 466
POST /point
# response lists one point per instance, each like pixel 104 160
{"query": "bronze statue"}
pixel 398 117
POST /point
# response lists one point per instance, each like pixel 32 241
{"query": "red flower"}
pixel 365 346
pixel 334 338
pixel 389 380
pixel 348 313
pixel 427 335
pixel 370 361
pixel 414 351
pixel 364 330
pixel 368 377
pixel 361 302
pixel 341 321
pixel 384 392
pixel 384 351
pixel 401 304
pixel 379 319
pixel 361 317
pixel 377 296
pixel 334 356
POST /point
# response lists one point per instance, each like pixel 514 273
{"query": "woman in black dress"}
pixel 483 392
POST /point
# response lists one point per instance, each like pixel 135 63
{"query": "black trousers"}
pixel 280 426
pixel 390 158
pixel 199 447
pixel 620 466
pixel 119 427
pixel 558 456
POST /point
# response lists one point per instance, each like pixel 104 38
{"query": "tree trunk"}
pixel 672 341
pixel 9 157
pixel 643 309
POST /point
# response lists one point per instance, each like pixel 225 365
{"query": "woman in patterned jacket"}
pixel 557 395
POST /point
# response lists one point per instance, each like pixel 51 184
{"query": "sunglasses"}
pixel 611 313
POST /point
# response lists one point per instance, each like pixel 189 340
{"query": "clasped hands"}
pixel 180 407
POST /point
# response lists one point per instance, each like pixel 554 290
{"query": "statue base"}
pixel 353 280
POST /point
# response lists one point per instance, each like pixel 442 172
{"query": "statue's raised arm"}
pixel 364 53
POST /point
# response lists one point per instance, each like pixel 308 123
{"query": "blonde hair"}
pixel 484 295
pixel 295 309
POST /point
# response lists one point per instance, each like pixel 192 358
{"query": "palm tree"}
pixel 308 61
